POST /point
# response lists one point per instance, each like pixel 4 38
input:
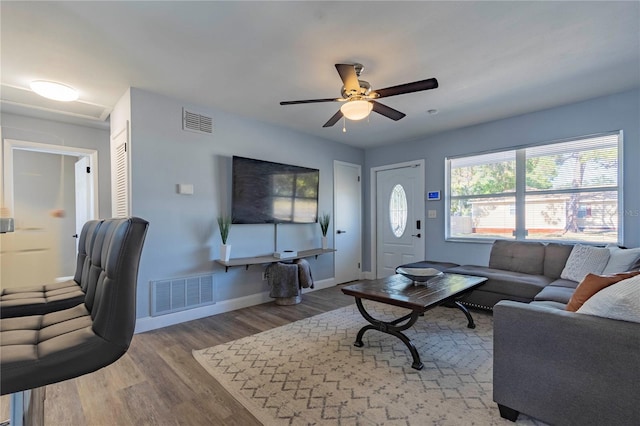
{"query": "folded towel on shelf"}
pixel 304 273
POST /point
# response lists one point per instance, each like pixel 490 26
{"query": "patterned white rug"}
pixel 309 372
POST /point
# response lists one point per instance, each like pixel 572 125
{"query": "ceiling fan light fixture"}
pixel 356 110
pixel 55 91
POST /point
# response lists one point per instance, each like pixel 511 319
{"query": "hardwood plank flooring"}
pixel 158 382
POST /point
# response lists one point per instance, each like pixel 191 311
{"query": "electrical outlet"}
pixel 431 214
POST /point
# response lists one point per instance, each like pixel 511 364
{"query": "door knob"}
pixel 74 236
pixel 340 232
pixel 416 235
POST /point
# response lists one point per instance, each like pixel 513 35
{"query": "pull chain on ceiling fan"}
pixel 359 100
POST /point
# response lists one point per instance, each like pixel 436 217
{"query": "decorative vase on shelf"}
pixel 225 252
pixel 324 220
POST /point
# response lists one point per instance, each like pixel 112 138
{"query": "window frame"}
pixel 521 193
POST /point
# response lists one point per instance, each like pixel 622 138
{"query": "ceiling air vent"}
pixel 195 122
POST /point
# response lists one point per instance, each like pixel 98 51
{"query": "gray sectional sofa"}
pixel 561 367
pixel 521 271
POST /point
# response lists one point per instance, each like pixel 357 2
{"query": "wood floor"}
pixel 158 382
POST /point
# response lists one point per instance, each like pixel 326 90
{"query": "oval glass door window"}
pixel 398 210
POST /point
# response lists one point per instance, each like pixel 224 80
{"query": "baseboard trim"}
pixel 152 323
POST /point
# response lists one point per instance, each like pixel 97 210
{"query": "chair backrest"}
pixel 96 266
pixel 113 308
pixel 85 244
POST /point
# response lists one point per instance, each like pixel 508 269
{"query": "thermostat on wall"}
pixel 433 195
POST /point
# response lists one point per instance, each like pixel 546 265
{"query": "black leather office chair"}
pixel 38 300
pixel 43 349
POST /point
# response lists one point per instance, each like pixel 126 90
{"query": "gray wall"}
pixel 614 112
pixel 183 237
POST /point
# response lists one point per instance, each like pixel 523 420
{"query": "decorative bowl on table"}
pixel 421 275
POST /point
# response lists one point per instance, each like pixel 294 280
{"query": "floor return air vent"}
pixel 179 294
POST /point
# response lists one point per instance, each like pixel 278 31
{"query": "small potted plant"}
pixel 224 223
pixel 324 227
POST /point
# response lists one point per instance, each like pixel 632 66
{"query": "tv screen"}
pixel 266 192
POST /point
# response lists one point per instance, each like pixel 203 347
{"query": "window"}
pixel 398 210
pixel 565 191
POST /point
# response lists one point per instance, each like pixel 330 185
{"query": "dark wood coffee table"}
pixel 419 297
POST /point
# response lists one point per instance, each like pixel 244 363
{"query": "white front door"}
pixel 399 217
pixel 348 221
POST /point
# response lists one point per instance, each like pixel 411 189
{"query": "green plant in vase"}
pixel 224 224
pixel 324 221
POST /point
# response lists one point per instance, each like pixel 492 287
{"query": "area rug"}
pixel 310 373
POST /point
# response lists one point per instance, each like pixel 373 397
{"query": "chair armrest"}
pixel 566 368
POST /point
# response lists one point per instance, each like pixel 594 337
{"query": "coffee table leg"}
pixel 466 312
pixel 391 328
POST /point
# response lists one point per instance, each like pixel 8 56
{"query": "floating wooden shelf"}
pixel 258 260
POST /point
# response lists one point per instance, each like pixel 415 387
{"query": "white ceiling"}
pixel 492 59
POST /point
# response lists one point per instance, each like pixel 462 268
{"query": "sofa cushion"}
pixel 517 256
pixel 510 284
pixel 620 301
pixel 555 294
pixel 555 258
pixel 591 285
pixel 620 259
pixel 584 260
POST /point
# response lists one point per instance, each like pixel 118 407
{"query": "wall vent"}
pixel 179 294
pixel 195 122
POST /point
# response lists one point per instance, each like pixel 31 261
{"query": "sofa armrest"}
pixel 566 368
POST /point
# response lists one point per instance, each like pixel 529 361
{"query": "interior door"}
pixel 348 221
pixel 84 194
pixel 399 218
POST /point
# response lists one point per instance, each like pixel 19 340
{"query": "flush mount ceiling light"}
pixel 55 91
pixel 356 110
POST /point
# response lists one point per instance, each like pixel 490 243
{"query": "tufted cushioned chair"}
pixel 43 349
pixel 47 298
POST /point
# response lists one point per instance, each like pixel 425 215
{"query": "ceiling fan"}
pixel 359 100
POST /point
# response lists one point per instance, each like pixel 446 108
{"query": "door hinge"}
pixel 358 178
pixel 88 169
pixel 358 265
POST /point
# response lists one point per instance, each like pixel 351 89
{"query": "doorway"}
pixel 398 225
pixel 347 221
pixel 51 191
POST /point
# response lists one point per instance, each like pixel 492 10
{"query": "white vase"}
pixel 324 243
pixel 225 252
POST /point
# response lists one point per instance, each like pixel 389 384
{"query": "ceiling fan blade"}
pixel 349 78
pixel 333 120
pixel 310 101
pixel 389 112
pixel 401 89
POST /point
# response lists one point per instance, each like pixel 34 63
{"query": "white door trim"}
pixel 7 173
pixel 373 205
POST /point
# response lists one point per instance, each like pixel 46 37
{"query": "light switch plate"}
pixel 185 188
pixel 431 214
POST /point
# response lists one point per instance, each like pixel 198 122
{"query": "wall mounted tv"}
pixel 266 192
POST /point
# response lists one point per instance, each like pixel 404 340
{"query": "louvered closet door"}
pixel 120 173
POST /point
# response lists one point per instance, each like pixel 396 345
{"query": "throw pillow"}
pixel 584 260
pixel 591 284
pixel 620 301
pixel 620 260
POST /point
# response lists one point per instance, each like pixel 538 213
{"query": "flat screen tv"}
pixel 266 192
